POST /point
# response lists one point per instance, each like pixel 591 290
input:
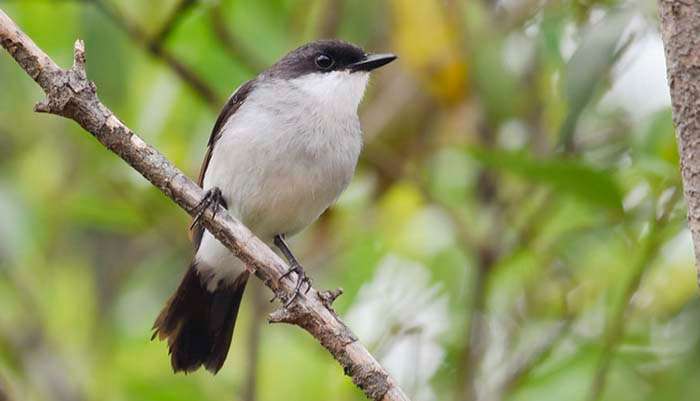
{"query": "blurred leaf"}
pixel 594 186
pixel 497 86
pixel 598 51
pixel 565 379
pixel 68 303
pixel 15 236
pixel 659 138
pixel 112 214
pixel 397 206
pixel 551 32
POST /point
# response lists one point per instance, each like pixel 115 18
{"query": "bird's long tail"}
pixel 198 324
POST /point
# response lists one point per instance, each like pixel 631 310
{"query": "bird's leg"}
pixel 212 197
pixel 294 266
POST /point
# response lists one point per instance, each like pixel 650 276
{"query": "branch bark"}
pixel 71 95
pixel 680 23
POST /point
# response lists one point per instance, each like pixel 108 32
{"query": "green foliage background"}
pixel 550 221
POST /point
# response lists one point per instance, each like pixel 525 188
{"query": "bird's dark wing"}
pixel 229 109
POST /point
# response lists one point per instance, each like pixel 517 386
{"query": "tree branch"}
pixel 680 22
pixel 70 94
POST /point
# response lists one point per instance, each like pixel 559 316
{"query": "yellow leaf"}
pixel 428 45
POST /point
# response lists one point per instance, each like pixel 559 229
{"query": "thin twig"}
pixel 615 331
pixel 253 348
pixel 489 252
pixel 70 94
pixel 200 87
pixel 524 367
pixel 4 390
pixel 32 350
pixel 471 354
pixel 331 18
pixel 235 49
pixel 178 13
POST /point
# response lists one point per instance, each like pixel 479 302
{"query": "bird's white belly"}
pixel 277 178
pixel 275 187
pixel 286 194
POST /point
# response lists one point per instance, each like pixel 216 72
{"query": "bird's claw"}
pixel 212 197
pixel 302 278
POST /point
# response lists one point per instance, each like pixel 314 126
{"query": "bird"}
pixel 282 150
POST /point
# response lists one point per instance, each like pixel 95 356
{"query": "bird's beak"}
pixel 372 61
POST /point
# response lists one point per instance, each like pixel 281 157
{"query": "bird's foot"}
pixel 294 267
pixel 302 279
pixel 212 198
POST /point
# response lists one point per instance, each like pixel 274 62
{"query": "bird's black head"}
pixel 325 56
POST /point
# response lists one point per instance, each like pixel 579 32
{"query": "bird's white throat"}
pixel 342 91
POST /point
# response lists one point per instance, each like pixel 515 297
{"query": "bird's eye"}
pixel 324 62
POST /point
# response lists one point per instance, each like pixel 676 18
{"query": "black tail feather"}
pixel 198 324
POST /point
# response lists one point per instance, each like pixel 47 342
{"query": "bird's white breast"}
pixel 285 156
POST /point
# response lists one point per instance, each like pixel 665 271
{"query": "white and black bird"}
pixel 281 152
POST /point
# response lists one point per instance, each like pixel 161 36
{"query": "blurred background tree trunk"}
pixel 680 24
